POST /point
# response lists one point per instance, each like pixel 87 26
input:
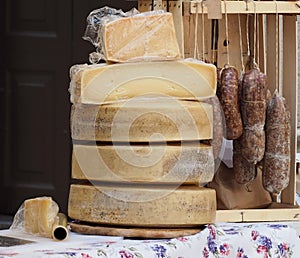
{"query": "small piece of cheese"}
pixel 39 215
pixel 190 163
pixel 140 121
pixel 140 38
pixel 102 83
pixel 142 206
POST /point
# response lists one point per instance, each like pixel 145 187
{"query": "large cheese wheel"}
pixel 140 37
pixel 142 121
pixel 193 163
pixel 102 83
pixel 142 206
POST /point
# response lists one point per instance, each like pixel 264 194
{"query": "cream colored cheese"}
pixel 39 215
pixel 140 38
pixel 192 163
pixel 182 79
pixel 142 206
pixel 142 121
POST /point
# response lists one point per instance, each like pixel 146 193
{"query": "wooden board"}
pixel 132 232
pixel 263 7
pixel 258 215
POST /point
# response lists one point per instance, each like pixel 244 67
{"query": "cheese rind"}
pixel 139 121
pixel 39 215
pixel 191 164
pixel 182 79
pixel 142 206
pixel 140 38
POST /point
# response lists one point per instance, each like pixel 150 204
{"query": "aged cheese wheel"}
pixel 192 163
pixel 102 83
pixel 140 37
pixel 142 121
pixel 142 206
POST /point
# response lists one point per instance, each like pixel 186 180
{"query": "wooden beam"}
pixel 258 215
pixel 290 92
pixel 262 7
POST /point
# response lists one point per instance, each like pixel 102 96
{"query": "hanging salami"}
pixel 276 170
pixel 253 111
pixel 229 90
pixel 244 171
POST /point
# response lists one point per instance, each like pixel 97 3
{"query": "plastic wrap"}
pixel 131 36
pixel 37 216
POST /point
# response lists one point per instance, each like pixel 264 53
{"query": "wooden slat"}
pixel 258 215
pixel 261 60
pixel 290 92
pixel 144 5
pixel 158 5
pixel 262 7
pixel 271 52
pixel 234 42
pixel 175 7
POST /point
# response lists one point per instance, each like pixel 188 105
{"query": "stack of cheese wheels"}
pixel 141 152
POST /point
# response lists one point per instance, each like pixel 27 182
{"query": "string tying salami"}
pixel 229 91
pixel 253 111
pixel 276 170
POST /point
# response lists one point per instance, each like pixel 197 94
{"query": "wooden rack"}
pixel 185 12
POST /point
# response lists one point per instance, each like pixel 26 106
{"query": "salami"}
pixel 244 171
pixel 276 170
pixel 229 91
pixel 253 111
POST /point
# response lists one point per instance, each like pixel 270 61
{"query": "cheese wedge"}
pixel 142 206
pixel 192 163
pixel 39 215
pixel 143 121
pixel 102 83
pixel 140 38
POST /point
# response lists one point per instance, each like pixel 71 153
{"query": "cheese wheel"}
pixel 142 121
pixel 39 215
pixel 142 206
pixel 190 164
pixel 140 38
pixel 103 83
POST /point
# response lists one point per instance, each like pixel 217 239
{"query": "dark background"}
pixel 39 41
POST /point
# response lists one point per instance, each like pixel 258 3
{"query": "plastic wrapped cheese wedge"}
pixel 136 37
pixel 175 164
pixel 36 216
pixel 39 215
pixel 142 206
pixel 101 83
pixel 142 121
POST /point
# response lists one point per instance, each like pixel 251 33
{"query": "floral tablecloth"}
pixel 234 240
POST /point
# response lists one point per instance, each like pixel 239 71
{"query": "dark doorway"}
pixel 39 41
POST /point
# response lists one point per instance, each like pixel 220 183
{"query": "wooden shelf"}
pixel 262 7
pixel 258 215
